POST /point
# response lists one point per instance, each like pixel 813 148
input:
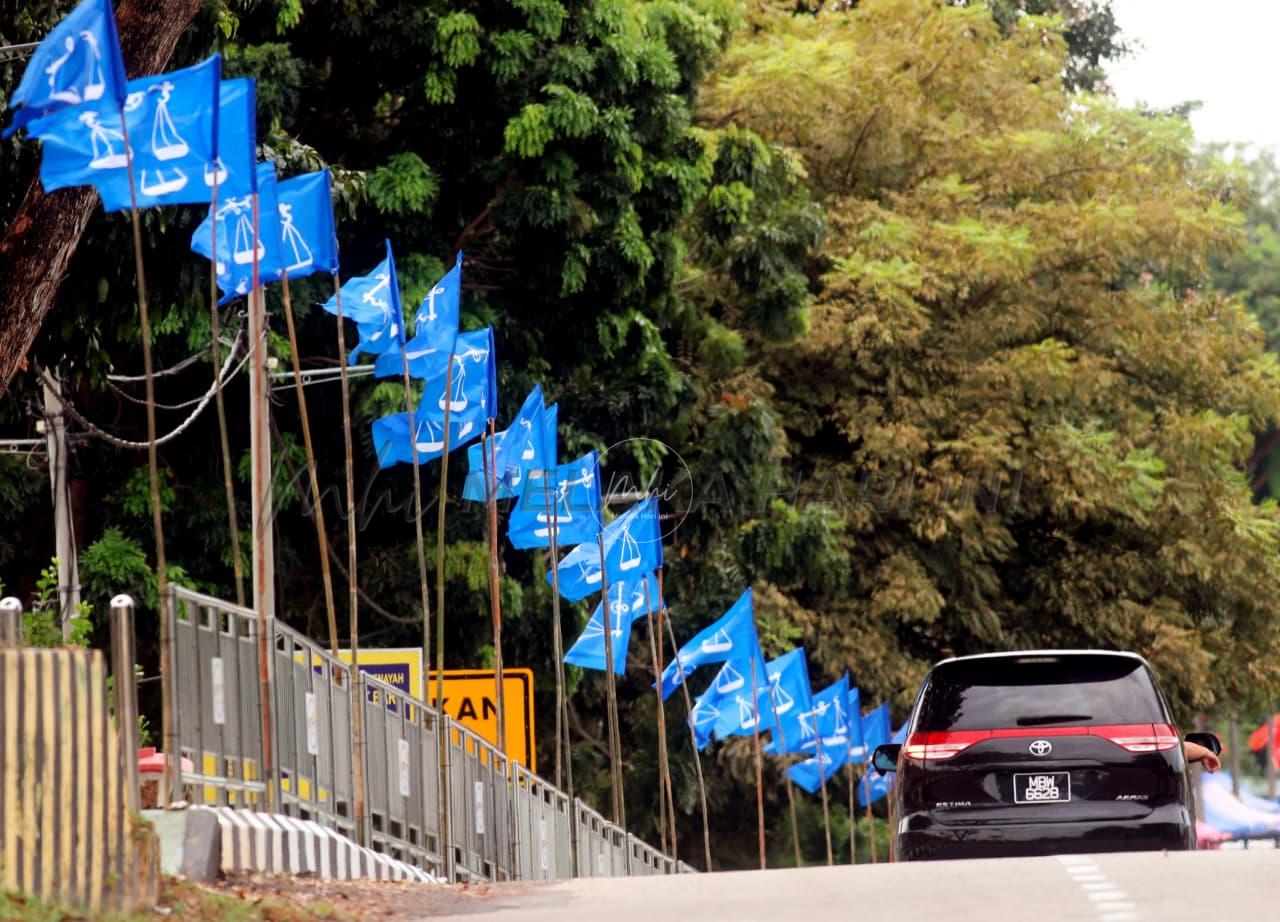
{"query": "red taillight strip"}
pixel 938 745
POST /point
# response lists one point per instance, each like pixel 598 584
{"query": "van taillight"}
pixel 936 746
pixel 1139 737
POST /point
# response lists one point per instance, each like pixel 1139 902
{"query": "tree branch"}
pixel 38 245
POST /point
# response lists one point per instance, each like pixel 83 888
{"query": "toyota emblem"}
pixel 1040 748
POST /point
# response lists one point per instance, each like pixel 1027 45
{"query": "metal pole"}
pixel 126 689
pixel 64 539
pixel 693 738
pixel 262 503
pixel 10 622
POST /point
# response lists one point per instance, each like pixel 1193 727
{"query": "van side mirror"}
pixel 1209 741
pixel 885 758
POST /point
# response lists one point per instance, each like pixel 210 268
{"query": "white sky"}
pixel 1223 53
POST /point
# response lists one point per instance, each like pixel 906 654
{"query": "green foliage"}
pixel 42 619
pixel 405 186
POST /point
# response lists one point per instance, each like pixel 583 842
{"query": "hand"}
pixel 1210 762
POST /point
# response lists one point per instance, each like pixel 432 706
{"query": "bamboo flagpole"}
pixel 611 693
pixel 317 516
pixel 495 579
pixel 442 733
pixel 417 510
pixel 866 793
pixel 853 816
pixel 791 790
pixel 693 736
pixel 662 716
pixel 557 639
pixel 352 585
pixel 822 781
pixel 755 736
pixel 215 328
pixel 167 730
pixel 666 805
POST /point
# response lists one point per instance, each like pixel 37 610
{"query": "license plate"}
pixel 1042 788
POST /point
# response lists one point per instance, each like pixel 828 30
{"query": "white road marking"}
pixel 1111 903
pixel 1099 896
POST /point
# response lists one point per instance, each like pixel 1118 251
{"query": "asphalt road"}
pixel 1226 886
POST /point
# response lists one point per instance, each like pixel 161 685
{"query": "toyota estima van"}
pixel 1044 752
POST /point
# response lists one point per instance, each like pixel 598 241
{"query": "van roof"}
pixel 1018 654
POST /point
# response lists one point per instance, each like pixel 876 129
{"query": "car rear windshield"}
pixel 1038 691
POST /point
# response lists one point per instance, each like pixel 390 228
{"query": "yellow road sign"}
pixel 470 699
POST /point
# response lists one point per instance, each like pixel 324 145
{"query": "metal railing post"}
pixel 10 622
pixel 123 659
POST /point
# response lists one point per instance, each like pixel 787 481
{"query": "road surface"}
pixel 1226 886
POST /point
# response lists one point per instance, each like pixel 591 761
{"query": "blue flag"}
pixel 568 500
pixel 471 397
pixel 778 687
pixel 237 241
pixel 731 637
pixel 725 709
pixel 172 123
pixel 367 298
pixel 632 544
pixel 807 774
pixel 434 328
pixel 513 452
pixel 790 695
pixel 876 730
pixel 237 154
pixel 308 239
pixel 78 62
pixel 628 600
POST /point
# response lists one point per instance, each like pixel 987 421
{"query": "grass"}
pixel 185 900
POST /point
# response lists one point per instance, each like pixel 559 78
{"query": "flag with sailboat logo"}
pixel 78 62
pixel 471 393
pixel 514 451
pixel 629 600
pixel 566 500
pixel 172 125
pixel 727 707
pixel 434 327
pixel 308 239
pixel 632 544
pixel 238 238
pixel 732 636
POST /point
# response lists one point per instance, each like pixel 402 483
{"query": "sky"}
pixel 1224 53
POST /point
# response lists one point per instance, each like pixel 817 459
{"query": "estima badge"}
pixel 1040 748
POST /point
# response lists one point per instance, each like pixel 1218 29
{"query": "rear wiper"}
pixel 1051 719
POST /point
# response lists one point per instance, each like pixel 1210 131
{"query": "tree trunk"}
pixel 37 247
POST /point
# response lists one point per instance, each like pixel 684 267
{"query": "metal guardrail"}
pixel 504 822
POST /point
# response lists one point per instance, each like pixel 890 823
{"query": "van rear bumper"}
pixel 923 838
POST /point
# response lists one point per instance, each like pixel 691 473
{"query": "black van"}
pixel 1040 752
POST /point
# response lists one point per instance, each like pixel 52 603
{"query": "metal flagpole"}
pixel 445 846
pixel 693 736
pixel 611 691
pixel 215 328
pixel 665 803
pixel 167 730
pixel 322 537
pixel 826 810
pixel 263 546
pixel 755 735
pixel 357 727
